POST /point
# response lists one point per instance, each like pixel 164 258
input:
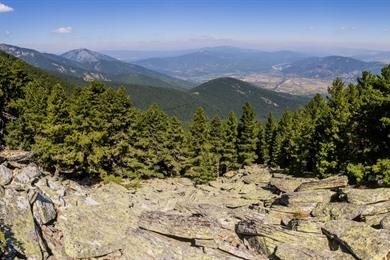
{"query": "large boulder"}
pixel 282 183
pixel 315 196
pixel 331 183
pixel 21 231
pixel 361 240
pixel 293 252
pixel 97 224
pixel 27 175
pixel 16 155
pixel 385 222
pixel 200 231
pixel 366 196
pixel 43 208
pixel 256 174
pixel 336 210
pixel 5 175
pixel 265 238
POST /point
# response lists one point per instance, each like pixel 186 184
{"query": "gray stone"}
pixel 331 183
pixel 283 183
pixel 366 196
pixel 16 155
pixel 361 240
pixel 385 222
pixel 5 175
pixel 28 174
pixel 265 238
pixel 293 252
pixel 16 214
pixel 336 210
pixel 43 209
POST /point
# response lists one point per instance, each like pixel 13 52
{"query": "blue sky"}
pixel 58 25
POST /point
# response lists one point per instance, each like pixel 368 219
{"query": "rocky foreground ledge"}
pixel 248 214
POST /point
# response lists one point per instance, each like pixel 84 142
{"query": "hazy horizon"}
pixel 57 26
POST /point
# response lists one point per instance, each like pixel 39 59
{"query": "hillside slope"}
pixel 230 94
pixel 330 67
pixel 88 65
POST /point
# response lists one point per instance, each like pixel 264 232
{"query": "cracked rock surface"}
pixel 252 213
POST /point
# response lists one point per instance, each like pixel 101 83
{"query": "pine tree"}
pixel 270 132
pixel 30 111
pixel 50 142
pixel 247 136
pixel 216 142
pixel 261 146
pixel 229 153
pixel 200 164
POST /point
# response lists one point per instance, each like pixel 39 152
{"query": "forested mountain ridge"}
pixel 230 94
pixel 96 130
pixel 98 67
pixel 183 104
pixel 331 67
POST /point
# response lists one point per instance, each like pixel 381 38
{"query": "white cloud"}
pixel 7 33
pixel 5 8
pixel 67 29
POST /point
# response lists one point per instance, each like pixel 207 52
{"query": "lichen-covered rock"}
pixel 376 209
pixel 27 175
pixel 331 183
pixel 361 240
pixel 16 214
pixel 16 155
pixel 366 196
pixel 256 174
pixel 336 210
pixel 5 175
pixel 43 208
pixel 203 231
pixel 315 196
pixel 385 222
pixel 265 238
pixel 283 183
pixel 293 252
pixel 96 225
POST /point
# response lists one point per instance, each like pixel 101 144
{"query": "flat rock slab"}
pixel 96 225
pixel 283 183
pixel 361 240
pixel 265 238
pixel 195 229
pixel 331 183
pixel 293 252
pixel 366 196
pixel 336 210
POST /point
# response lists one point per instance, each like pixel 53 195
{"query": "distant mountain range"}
pixel 328 68
pixel 218 61
pixel 89 65
pixel 217 97
pixel 281 71
pixel 284 71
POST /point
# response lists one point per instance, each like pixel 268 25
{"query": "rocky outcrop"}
pixel 331 183
pixel 247 214
pixel 361 240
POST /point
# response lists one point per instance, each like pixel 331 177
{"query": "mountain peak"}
pixel 84 55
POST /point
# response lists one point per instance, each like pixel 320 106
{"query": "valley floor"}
pixel 252 213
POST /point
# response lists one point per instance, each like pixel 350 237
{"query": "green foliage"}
pixel 247 136
pixel 270 134
pixel 200 164
pixel 229 147
pixel 96 130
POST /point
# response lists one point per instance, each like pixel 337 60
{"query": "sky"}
pixel 59 25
